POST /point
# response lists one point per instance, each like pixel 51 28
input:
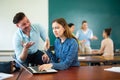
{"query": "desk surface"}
pixel 92 54
pixel 73 73
pixel 97 54
pixel 99 59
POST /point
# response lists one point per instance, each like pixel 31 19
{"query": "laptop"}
pixel 34 69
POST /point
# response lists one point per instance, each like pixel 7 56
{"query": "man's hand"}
pixel 24 53
pixel 27 44
pixel 45 58
pixel 47 44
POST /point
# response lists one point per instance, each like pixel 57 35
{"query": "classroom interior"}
pixel 99 14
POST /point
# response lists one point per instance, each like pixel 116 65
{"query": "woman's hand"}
pixel 94 38
pixel 45 67
pixel 95 51
pixel 83 41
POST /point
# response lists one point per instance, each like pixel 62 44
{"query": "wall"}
pixel 100 14
pixel 36 11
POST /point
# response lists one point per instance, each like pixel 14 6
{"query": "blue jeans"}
pixel 33 59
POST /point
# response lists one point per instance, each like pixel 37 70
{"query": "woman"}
pixel 71 27
pixel 66 48
pixel 107 47
pixel 85 35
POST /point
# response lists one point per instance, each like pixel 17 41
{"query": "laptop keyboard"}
pixel 35 69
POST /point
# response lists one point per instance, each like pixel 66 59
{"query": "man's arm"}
pixel 24 52
pixel 20 48
pixel 101 50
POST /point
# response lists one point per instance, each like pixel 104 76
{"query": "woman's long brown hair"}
pixel 67 32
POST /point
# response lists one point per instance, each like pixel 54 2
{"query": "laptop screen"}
pixel 22 66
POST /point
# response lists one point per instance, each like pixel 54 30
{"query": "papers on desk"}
pixel 81 58
pixel 4 76
pixel 113 69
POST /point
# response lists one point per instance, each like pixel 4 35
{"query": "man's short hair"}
pixel 18 17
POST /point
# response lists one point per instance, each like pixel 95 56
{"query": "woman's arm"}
pixel 49 52
pixel 101 50
pixel 72 55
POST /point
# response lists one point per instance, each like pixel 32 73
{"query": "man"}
pixel 26 41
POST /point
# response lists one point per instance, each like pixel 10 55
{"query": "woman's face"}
pixel 72 28
pixel 104 34
pixel 58 29
pixel 84 25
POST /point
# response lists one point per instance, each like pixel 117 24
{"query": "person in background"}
pixel 72 27
pixel 26 41
pixel 107 47
pixel 85 35
pixel 65 47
